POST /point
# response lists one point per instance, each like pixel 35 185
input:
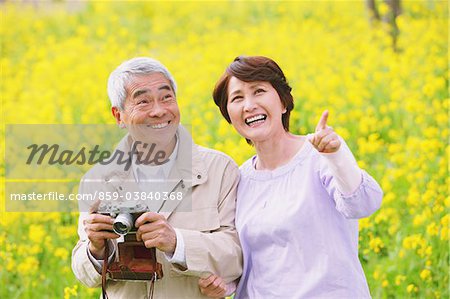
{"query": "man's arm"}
pixel 214 287
pixel 87 254
pixel 218 251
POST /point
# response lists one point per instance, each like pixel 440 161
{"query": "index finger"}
pixel 99 218
pixel 147 217
pixel 94 207
pixel 323 121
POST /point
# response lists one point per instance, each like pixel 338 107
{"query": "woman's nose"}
pixel 249 105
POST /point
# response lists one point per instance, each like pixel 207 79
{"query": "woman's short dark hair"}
pixel 255 68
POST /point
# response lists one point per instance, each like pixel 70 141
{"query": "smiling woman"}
pixel 255 109
pixel 299 197
pixel 236 80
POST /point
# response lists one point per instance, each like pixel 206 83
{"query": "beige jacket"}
pixel 208 229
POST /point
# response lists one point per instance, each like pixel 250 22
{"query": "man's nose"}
pixel 157 110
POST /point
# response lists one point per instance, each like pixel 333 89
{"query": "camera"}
pixel 124 214
pixel 135 261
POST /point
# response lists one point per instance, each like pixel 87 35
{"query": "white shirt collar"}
pixel 142 172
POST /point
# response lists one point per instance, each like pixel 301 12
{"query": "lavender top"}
pixel 299 233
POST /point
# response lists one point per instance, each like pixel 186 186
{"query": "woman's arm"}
pixel 355 192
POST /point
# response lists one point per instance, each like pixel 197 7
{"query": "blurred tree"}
pixel 374 15
pixel 389 17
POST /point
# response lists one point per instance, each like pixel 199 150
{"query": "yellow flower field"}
pixel 391 107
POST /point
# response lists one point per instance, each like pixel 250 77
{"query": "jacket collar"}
pixel 189 168
pixel 189 165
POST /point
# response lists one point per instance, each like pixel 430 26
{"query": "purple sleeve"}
pixel 364 201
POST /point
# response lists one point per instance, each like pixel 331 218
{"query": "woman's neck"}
pixel 275 152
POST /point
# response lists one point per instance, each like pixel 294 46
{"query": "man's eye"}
pixel 167 97
pixel 142 102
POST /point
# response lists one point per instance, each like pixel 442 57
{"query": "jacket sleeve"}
pixel 338 173
pixel 83 268
pixel 218 251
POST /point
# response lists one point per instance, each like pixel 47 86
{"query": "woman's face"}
pixel 255 109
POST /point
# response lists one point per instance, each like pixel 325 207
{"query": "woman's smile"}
pixel 255 109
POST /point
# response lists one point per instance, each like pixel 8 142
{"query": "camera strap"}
pixel 152 287
pixel 104 268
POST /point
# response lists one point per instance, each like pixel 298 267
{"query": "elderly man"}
pixel 194 235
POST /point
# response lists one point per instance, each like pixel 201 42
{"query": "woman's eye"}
pixel 259 90
pixel 142 102
pixel 236 98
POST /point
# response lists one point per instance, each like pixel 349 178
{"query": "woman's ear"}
pixel 284 111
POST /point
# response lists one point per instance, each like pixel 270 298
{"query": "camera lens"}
pixel 123 223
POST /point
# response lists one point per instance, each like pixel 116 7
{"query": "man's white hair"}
pixel 124 72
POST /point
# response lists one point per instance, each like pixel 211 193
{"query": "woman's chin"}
pixel 255 138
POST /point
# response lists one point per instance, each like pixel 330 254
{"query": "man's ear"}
pixel 117 115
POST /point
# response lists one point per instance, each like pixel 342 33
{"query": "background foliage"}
pixel 391 107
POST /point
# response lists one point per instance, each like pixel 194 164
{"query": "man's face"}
pixel 151 111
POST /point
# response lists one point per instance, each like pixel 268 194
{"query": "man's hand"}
pixel 214 287
pixel 325 140
pixel 155 231
pixel 99 228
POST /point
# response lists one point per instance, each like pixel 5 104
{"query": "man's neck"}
pixel 154 153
